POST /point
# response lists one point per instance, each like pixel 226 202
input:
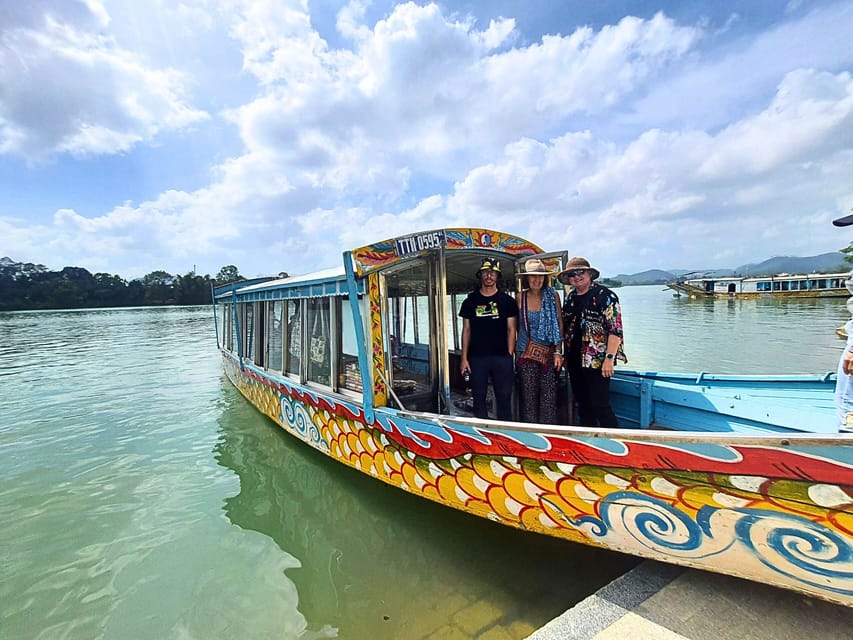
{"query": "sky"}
pixel 275 134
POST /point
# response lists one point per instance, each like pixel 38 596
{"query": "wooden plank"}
pixel 743 407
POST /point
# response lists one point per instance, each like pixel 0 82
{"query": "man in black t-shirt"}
pixel 490 319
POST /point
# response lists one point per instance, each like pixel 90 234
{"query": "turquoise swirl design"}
pixel 801 550
pixel 653 523
pixel 798 548
pixel 296 418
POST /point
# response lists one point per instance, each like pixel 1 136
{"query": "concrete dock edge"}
pixel 656 601
pixel 610 603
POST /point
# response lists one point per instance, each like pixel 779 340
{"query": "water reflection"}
pixel 379 563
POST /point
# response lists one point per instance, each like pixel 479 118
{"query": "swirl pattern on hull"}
pixel 798 548
pixel 650 522
pixel 295 417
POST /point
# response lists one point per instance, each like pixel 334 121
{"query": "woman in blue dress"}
pixel 538 349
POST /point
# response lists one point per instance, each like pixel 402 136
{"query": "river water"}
pixel 142 497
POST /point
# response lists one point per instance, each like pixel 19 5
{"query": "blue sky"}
pixel 274 134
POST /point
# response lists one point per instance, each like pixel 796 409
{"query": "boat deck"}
pixel 720 403
pixel 707 403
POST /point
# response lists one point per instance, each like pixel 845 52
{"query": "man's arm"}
pixel 613 342
pixel 466 340
pixel 511 333
pixel 847 362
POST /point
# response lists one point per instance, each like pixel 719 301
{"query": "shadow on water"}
pixel 379 563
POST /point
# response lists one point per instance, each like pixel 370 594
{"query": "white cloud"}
pixel 718 85
pixel 641 144
pixel 422 94
pixel 69 89
pixel 726 189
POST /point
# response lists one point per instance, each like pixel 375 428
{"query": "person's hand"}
pixel 558 362
pixel 607 368
pixel 847 362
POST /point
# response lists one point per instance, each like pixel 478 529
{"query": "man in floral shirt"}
pixel 592 321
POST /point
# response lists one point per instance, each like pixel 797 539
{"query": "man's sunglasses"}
pixel 576 273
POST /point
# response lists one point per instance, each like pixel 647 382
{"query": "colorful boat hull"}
pixel 774 509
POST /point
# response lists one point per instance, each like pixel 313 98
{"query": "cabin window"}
pixel 455 321
pixel 275 334
pixel 226 327
pixel 236 326
pixel 785 284
pixel 409 346
pixel 293 338
pixel 260 350
pixel 821 284
pixel 349 373
pixel 248 318
pixel 762 286
pixel 319 347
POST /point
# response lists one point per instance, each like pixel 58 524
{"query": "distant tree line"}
pixel 27 286
pixel 613 283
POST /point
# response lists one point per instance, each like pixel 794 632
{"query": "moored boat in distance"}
pixel 783 285
pixel 747 476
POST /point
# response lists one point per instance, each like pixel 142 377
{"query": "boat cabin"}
pixel 382 329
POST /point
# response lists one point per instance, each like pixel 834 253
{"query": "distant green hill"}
pixel 653 276
pixel 823 263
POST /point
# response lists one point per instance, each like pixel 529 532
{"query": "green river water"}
pixel 142 497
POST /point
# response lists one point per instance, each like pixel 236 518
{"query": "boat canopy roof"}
pixel 462 251
pixel 327 282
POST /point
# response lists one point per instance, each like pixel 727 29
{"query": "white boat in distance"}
pixel 783 285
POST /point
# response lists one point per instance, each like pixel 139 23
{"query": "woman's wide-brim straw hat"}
pixel 575 264
pixel 533 267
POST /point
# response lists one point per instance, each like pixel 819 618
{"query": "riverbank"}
pixel 655 601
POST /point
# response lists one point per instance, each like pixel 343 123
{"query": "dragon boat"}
pixel 743 475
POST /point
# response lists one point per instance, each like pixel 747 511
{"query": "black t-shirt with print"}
pixel 488 316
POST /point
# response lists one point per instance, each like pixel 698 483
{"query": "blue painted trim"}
pixel 647 415
pixel 301 291
pixel 223 290
pixel 336 285
pixel 215 322
pixel 237 333
pixel 358 325
pixel 746 404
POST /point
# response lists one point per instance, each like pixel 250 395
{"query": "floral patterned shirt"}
pixel 600 318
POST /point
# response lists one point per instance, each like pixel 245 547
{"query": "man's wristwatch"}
pixel 610 356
